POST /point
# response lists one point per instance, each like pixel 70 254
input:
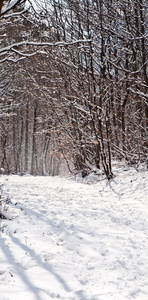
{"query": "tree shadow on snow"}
pixel 10 258
pixel 109 183
pixel 21 273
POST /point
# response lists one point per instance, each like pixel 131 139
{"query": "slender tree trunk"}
pixel 34 150
pixel 26 136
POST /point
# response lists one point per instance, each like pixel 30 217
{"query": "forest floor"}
pixel 75 239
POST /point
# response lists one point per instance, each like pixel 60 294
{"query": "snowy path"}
pixel 75 241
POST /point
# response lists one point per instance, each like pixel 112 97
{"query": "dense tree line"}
pixel 73 86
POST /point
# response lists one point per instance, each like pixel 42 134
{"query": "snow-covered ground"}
pixel 75 240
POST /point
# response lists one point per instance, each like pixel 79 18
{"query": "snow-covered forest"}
pixel 73 85
pixel 74 105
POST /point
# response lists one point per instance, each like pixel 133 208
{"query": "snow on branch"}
pixel 5 50
pixel 15 14
pixel 139 93
pixel 12 4
pixel 8 48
